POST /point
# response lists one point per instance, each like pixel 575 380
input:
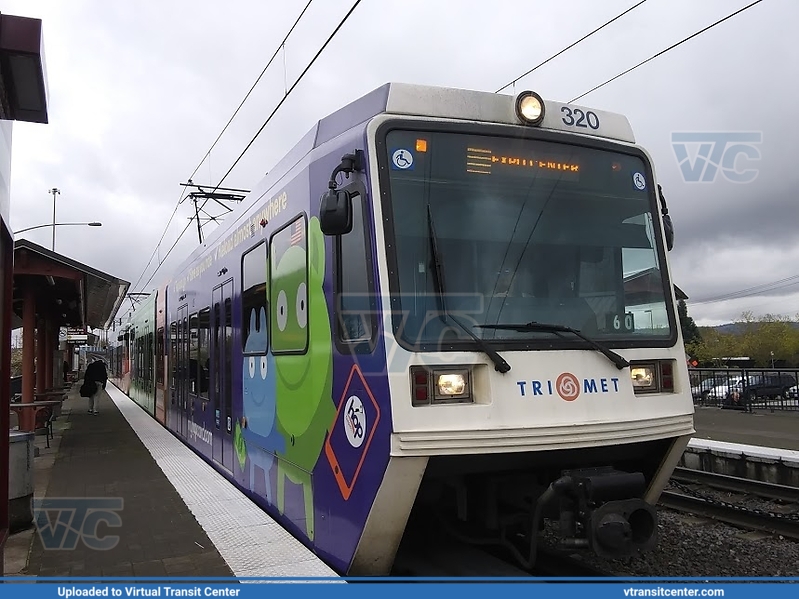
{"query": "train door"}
pixel 160 357
pixel 182 369
pixel 222 371
pixel 172 409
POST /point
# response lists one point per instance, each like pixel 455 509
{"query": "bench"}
pixel 44 423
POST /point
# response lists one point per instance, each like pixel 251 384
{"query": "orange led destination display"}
pixel 481 161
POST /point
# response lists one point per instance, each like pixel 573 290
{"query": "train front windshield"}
pixel 504 231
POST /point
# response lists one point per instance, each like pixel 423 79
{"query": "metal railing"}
pixel 746 388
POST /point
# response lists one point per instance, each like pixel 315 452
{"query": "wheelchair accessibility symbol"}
pixel 402 159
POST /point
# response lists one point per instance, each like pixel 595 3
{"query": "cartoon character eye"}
pixel 252 367
pixel 263 367
pixel 282 310
pixel 302 305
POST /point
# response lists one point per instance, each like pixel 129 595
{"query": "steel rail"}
pixel 744 519
pixel 737 485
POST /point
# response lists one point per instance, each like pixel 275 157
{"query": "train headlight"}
pixel 530 108
pixel 450 385
pixel 643 377
pixel 430 385
pixel 653 377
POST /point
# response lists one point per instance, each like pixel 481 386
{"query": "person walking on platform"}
pixel 97 376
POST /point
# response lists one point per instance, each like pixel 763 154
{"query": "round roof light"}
pixel 530 108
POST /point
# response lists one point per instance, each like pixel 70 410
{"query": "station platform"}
pixel 178 516
pixel 779 430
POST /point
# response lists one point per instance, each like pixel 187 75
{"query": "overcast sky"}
pixel 140 90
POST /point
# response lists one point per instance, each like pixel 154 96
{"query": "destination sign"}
pixel 485 161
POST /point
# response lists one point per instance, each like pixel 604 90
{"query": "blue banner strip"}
pixel 405 579
pixel 465 590
pixel 564 588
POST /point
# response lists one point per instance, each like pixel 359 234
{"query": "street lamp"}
pixel 93 224
pixel 55 192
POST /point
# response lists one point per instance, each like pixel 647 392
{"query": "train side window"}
pixel 203 351
pixel 150 357
pixel 138 359
pixel 194 335
pixel 289 288
pixel 356 320
pixel 159 357
pixel 255 306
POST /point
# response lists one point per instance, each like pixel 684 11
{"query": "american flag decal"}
pixel 297 232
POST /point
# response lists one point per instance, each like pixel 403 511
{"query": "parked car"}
pixel 703 389
pixel 761 386
pixel 720 392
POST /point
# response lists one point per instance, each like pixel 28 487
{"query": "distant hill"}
pixel 735 328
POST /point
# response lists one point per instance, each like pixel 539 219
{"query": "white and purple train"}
pixel 443 305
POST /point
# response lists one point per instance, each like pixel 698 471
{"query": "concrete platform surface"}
pixel 778 429
pixel 100 456
pixel 174 516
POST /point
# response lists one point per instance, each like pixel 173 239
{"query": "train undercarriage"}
pixel 592 499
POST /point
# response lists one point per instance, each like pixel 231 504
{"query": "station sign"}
pixel 74 335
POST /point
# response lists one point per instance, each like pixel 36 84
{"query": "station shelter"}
pixel 23 98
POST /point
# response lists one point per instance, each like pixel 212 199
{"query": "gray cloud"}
pixel 139 93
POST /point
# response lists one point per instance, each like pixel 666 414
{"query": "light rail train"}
pixel 441 306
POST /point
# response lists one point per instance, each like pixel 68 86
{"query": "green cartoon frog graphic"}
pixel 302 343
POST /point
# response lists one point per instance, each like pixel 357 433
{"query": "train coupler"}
pixel 602 509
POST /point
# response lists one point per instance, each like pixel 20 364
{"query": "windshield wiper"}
pixel 499 363
pixel 540 327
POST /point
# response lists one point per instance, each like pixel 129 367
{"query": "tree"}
pixel 690 332
pixel 16 361
pixel 714 347
pixel 769 337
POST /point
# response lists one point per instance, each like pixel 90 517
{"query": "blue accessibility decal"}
pixel 402 160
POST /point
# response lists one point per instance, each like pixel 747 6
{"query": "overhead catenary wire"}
pixel 662 52
pixel 158 245
pixel 750 291
pixel 288 93
pixel 280 46
pixel 260 130
pixel 616 18
pixel 216 141
pixel 186 228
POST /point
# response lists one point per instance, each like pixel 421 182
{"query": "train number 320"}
pixel 574 117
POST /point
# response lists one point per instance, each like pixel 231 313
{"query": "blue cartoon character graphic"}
pixel 259 433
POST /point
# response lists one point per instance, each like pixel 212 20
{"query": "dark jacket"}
pixel 96 373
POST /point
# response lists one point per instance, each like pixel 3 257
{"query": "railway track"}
pixel 737 485
pixel 690 500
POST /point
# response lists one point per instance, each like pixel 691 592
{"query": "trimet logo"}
pixel 199 432
pixel 568 386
